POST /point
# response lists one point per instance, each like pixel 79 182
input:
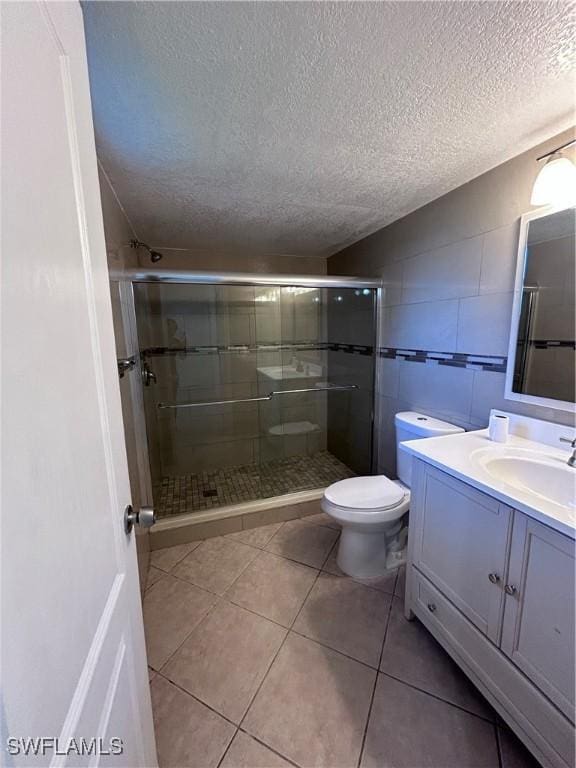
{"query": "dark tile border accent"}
pixel 552 344
pixel 298 346
pixel 354 349
pixel 495 363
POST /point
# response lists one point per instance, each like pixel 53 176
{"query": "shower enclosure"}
pixel 253 390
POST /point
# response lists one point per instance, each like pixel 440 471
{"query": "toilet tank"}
pixel 413 426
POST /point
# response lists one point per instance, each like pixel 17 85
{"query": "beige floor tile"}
pixel 408 728
pixel 256 537
pixel 225 659
pixel 215 564
pixel 514 753
pixel 273 587
pixel 412 654
pixel 346 616
pixel 321 518
pixel 166 559
pixel 188 734
pixel 172 608
pixel 313 705
pixel 246 752
pixel 305 543
pixel 153 575
pixel 384 583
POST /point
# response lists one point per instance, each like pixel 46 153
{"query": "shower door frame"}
pixel 126 279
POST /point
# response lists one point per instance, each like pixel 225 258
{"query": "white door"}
pixel 73 657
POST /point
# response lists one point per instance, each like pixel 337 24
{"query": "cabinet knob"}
pixel 494 578
pixel 431 607
pixel 510 589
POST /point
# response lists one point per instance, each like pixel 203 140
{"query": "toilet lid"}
pixel 365 493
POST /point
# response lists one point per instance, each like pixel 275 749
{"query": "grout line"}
pixel 439 698
pixel 457 325
pixel 371 667
pixel 282 644
pixel 265 676
pixel 219 763
pixel 498 746
pixel 364 735
pixel 197 542
pixel 245 530
pixel 169 659
pixel 198 699
pixel 255 613
pixel 272 749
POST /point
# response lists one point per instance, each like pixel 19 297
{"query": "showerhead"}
pixel 154 255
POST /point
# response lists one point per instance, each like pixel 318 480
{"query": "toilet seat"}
pixel 373 492
pixel 372 499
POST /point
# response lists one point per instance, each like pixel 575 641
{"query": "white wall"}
pixel 118 232
pixel 223 262
pixel 448 271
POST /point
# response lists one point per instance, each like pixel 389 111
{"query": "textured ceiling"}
pixel 298 128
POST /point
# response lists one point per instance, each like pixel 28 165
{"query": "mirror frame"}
pixel 545 402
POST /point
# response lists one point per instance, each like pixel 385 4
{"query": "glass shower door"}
pixel 253 391
pixel 201 413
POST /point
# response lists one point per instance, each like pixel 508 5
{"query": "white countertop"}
pixel 457 456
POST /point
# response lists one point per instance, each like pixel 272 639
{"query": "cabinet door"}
pixel 538 632
pixel 461 545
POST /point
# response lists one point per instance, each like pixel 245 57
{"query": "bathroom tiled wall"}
pixel 448 271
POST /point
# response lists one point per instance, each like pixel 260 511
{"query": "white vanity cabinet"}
pixel 496 589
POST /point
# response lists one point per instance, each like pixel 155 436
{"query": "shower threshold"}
pixel 205 491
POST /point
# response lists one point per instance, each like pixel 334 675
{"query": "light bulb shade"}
pixel 556 183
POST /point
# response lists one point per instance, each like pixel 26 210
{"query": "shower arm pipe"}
pixel 262 399
pixel 242 278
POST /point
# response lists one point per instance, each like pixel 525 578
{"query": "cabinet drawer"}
pixel 534 718
pixel 461 541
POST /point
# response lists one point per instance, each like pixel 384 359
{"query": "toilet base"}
pixel 362 555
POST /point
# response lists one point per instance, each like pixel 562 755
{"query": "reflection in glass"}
pixel 544 365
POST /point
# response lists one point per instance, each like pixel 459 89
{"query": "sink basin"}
pixel 281 372
pixel 545 475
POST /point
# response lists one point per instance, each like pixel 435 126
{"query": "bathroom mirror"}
pixel 541 356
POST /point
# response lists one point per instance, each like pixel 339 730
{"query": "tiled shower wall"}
pixel 448 270
pixel 351 361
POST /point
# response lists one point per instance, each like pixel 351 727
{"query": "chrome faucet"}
pixel 572 460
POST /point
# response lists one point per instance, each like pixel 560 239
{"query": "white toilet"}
pixel 371 509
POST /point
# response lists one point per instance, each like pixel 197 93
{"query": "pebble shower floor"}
pixel 233 485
